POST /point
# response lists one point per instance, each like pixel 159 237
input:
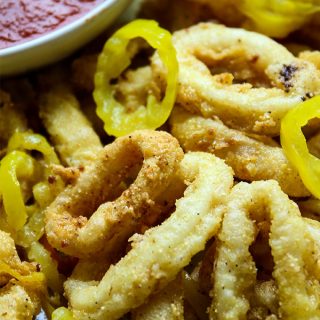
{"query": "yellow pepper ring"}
pixel 33 141
pixel 14 164
pixel 295 146
pixel 277 18
pixel 31 278
pixel 114 59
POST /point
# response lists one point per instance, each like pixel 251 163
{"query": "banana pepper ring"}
pixel 14 164
pixel 114 59
pixel 37 277
pixel 18 164
pixel 294 143
pixel 277 18
pixel 33 141
pixel 43 192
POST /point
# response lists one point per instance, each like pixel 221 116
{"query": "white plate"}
pixel 60 43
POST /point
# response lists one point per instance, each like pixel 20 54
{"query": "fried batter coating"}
pixel 250 159
pixel 311 56
pixel 229 73
pixel 167 304
pixel 134 87
pixel 9 255
pixel 69 226
pixel 295 248
pixel 16 303
pixel 264 300
pixel 131 90
pixel 70 131
pixel 19 299
pixel 157 256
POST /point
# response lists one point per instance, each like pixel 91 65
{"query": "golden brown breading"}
pixel 9 255
pixel 311 56
pixel 158 256
pixel 228 73
pixel 71 133
pixel 250 158
pixel 74 227
pixel 17 303
pixel 19 298
pixel 166 304
pixel 134 87
pixel 295 247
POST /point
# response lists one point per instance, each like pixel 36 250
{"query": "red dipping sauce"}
pixel 22 20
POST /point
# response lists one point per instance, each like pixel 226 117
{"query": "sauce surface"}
pixel 22 20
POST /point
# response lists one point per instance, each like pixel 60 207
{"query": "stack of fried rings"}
pixel 233 113
pixel 225 123
pixel 234 122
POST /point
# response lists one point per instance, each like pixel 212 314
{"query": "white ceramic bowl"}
pixel 59 43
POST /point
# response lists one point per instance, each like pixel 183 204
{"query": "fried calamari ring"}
pixel 250 159
pixel 294 246
pixel 70 131
pixel 69 228
pixel 159 254
pixel 229 73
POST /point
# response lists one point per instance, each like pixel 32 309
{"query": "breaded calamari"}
pixel 251 159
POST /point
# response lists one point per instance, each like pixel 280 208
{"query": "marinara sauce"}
pixel 22 20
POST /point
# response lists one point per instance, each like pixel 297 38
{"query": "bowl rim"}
pixel 59 32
